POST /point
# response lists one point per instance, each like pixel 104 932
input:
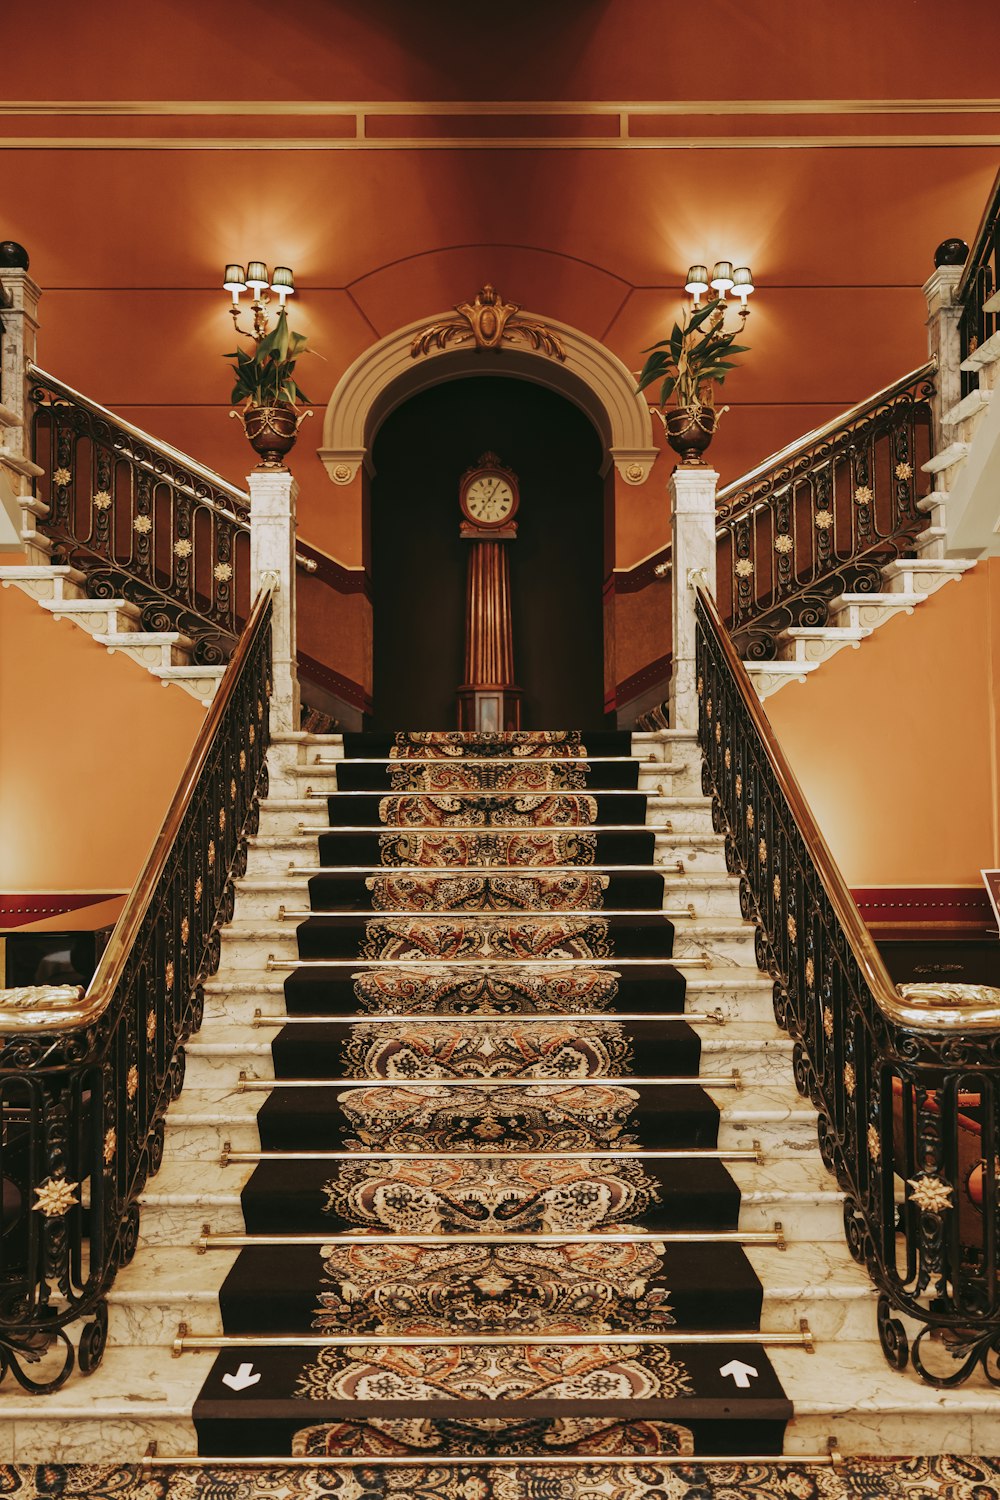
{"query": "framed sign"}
pixel 991 879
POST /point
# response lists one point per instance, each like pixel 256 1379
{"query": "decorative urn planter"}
pixel 271 431
pixel 689 430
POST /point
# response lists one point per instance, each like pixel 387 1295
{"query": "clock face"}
pixel 489 499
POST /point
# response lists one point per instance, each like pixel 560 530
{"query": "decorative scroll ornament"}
pixel 41 997
pixel 488 322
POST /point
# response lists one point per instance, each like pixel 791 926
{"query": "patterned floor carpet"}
pixel 507 1140
pixel 938 1478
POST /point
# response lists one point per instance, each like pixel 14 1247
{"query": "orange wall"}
pixel 91 749
pixel 129 218
pixel 896 744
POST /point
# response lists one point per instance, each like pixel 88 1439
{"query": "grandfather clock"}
pixel 488 700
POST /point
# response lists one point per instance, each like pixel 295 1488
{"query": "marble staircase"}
pixel 840 1387
pixel 114 624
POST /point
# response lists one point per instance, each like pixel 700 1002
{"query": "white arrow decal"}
pixel 740 1372
pixel 244 1376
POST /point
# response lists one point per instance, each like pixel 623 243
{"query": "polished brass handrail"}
pixel 92 1004
pixel 912 1013
pixel 810 439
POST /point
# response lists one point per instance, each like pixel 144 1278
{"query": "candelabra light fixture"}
pixel 723 280
pixel 258 281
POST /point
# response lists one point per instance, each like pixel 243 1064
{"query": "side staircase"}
pixel 489 1145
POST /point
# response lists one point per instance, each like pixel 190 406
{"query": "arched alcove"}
pixel 419 561
pixel 388 373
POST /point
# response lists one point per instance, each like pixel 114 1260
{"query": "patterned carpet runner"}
pixel 467 1134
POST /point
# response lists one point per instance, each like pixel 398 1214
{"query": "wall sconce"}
pixel 257 280
pixel 739 283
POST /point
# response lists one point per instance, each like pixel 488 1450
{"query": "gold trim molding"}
pixel 488 322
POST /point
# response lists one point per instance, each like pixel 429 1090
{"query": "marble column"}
pixel 692 517
pixel 19 297
pixel 943 314
pixel 272 565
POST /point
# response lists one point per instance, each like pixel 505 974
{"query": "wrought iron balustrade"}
pixel 85 1079
pixel 143 521
pixel 907 1084
pixel 823 516
pixel 978 293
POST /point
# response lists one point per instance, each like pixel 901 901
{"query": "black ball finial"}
pixel 951 253
pixel 13 257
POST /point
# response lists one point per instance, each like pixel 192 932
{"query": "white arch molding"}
pixel 387 374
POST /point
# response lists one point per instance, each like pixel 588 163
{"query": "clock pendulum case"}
pixel 488 700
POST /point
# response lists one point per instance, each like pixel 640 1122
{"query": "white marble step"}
pixel 57 583
pixel 770 676
pixel 932 542
pixel 987 353
pixel 738 992
pixel 142 1395
pixel 715 894
pixel 98 616
pixel 169 1284
pixel 137 1396
pixel 200 682
pixel 725 940
pixel 699 852
pixel 814 643
pixel 150 648
pixel 656 744
pixel 923 575
pixel 947 458
pixel 847 1389
pixel 202 1120
pixel 970 406
pixel 693 814
pixel 870 610
pixel 798 1194
pixel 221 1053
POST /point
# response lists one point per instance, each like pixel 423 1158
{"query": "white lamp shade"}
pixel 697 280
pixel 235 280
pixel 257 277
pixel 722 276
pixel 743 281
pixel 283 281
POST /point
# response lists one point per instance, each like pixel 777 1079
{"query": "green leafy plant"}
pixel 694 358
pixel 267 374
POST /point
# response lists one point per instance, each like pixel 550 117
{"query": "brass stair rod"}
pixel 732 1080
pixel 187 1343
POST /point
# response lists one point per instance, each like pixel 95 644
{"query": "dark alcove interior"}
pixel 419 561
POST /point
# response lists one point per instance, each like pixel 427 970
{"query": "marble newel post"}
pixel 943 314
pixel 692 516
pixel 272 565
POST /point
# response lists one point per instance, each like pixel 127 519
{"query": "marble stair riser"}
pixel 700 853
pixel 682 814
pixel 740 995
pixel 209 1062
pixel 175 1223
pixel 45 583
pixel 198 1132
pixel 709 895
pixel 921 575
pixel 728 943
pixel 147 648
pixel 97 617
pixel 871 611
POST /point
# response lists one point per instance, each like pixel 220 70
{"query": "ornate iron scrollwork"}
pixel 908 1113
pixel 824 517
pixel 82 1105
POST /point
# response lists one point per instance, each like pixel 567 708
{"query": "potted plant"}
pixel 691 362
pixel 265 383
